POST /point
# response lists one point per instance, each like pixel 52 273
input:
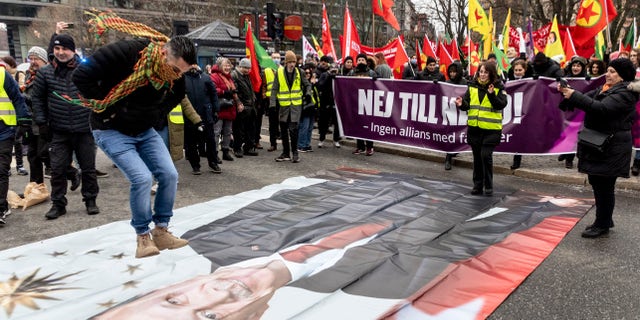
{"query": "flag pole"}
pixel 373 30
pixel 606 16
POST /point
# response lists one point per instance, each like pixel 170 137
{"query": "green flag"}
pixel 501 59
pixel 264 59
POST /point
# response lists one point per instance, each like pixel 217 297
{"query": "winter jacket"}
pixel 201 91
pixel 610 112
pixel 245 90
pixel 325 87
pixel 635 86
pixel 226 88
pixel 549 69
pixel 140 110
pixel 430 76
pixel 176 130
pixel 291 113
pixel 49 108
pixel 23 116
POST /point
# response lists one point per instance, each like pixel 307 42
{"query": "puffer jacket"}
pixel 203 96
pixel 610 112
pixel 49 108
pixel 140 110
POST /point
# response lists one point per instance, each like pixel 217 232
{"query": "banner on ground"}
pixel 423 114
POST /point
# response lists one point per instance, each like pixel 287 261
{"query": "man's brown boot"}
pixel 165 240
pixel 146 247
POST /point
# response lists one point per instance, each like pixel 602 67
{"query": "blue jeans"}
pixel 305 128
pixel 140 158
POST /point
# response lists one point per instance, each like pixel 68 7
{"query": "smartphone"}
pixel 70 25
pixel 563 82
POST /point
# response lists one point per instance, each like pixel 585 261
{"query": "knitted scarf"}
pixel 150 68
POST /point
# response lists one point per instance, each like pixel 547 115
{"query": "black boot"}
pixel 92 208
pixel 55 212
pixel 226 156
pixel 635 169
pixel 517 161
pixel 447 161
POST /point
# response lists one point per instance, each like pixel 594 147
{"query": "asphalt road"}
pixel 581 279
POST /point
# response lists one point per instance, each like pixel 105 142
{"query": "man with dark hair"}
pixel 431 72
pixel 67 125
pixel 123 121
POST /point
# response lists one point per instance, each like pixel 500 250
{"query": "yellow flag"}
pixel 477 20
pixel 554 48
pixel 487 39
pixel 505 31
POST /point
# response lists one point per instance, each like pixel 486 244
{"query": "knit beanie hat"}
pixel 289 56
pixel 624 67
pixel 66 41
pixel 361 55
pixel 38 52
pixel 245 63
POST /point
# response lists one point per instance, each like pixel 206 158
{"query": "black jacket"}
pixel 201 91
pixel 430 76
pixel 325 87
pixel 140 110
pixel 476 135
pixel 53 81
pixel 610 112
pixel 459 79
pixel 549 69
pixel 245 89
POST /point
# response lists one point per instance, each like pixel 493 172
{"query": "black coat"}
pixel 49 108
pixel 201 91
pixel 609 112
pixel 139 111
pixel 430 76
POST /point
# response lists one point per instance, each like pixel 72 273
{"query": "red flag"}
pixel 383 9
pixel 327 41
pixel 401 55
pixel 254 74
pixel 418 55
pixel 455 52
pixel 474 58
pixel 445 59
pixel 568 46
pixel 592 17
pixel 351 42
pixel 427 48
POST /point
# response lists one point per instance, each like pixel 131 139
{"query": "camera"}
pixel 70 25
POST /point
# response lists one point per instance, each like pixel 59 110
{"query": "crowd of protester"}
pixel 222 114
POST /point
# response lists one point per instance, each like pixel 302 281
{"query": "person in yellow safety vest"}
pixel 290 91
pixel 13 112
pixel 484 100
pixel 269 77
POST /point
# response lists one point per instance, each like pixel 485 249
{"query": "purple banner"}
pixel 423 114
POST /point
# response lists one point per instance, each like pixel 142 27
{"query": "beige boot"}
pixel 146 247
pixel 165 240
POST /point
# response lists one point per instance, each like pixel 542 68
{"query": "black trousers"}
pixel 274 125
pixel 20 140
pixel 292 129
pixel 195 140
pixel 362 144
pixel 62 147
pixel 604 194
pixel 6 147
pixel 38 155
pixel 327 115
pixel 482 166
pixel 244 129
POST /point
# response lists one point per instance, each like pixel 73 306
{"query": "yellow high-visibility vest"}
pixel 7 111
pixel 481 114
pixel 269 76
pixel 289 96
pixel 175 116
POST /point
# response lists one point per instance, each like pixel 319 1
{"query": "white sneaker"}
pixel 320 144
pixel 3 216
pixel 336 144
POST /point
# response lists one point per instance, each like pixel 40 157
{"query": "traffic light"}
pixel 271 8
pixel 278 25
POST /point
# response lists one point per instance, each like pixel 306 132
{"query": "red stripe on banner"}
pixel 488 277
